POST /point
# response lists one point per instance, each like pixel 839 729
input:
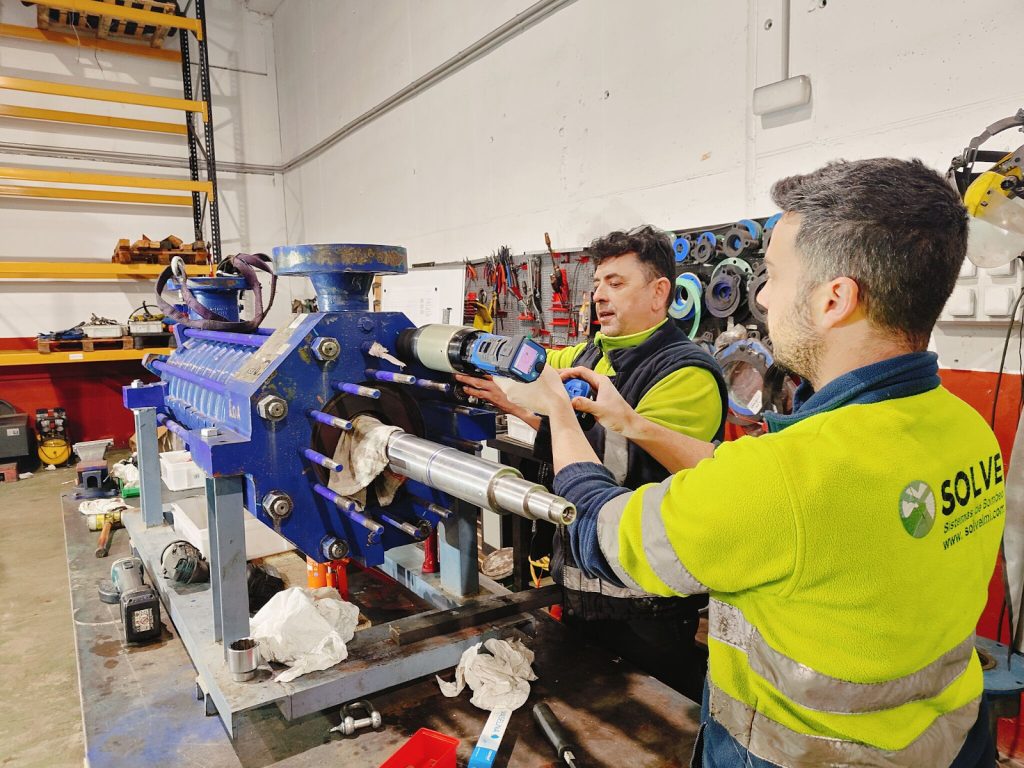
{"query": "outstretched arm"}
pixel 484 388
pixel 669 448
pixel 547 396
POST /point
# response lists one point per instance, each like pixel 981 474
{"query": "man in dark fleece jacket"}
pixel 669 380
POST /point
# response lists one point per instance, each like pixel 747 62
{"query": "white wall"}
pixel 607 114
pixel 245 116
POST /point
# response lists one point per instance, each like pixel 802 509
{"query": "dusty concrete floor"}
pixel 40 713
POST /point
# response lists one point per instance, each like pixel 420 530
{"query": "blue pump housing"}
pixel 244 402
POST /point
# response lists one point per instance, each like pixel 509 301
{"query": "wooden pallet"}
pixel 147 251
pixel 46 346
pixel 109 26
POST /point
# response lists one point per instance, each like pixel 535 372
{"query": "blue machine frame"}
pixel 214 383
pixel 260 413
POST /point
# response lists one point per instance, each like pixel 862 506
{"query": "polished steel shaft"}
pixel 474 480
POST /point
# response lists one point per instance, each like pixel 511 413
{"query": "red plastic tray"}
pixel 426 749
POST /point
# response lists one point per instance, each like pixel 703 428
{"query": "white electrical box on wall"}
pixel 961 304
pixel 998 300
pixel 983 295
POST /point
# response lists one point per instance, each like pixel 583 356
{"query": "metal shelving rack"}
pixel 207 148
pixel 202 176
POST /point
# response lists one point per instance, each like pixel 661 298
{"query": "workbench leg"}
pixel 149 466
pixel 460 575
pixel 227 559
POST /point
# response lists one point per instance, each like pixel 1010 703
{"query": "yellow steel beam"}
pixel 48 36
pixel 104 179
pixel 87 270
pixel 29 357
pixel 62 193
pixel 150 18
pixel 82 118
pixel 102 94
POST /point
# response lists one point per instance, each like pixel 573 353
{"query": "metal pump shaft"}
pixel 474 480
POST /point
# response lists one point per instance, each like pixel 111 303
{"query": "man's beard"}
pixel 796 346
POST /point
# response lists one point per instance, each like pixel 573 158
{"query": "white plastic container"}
pixel 179 472
pixel 103 331
pixel 190 521
pixel 145 326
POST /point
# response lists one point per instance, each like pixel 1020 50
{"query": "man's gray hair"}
pixel 895 226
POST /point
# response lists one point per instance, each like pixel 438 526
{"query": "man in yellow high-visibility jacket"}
pixel 847 552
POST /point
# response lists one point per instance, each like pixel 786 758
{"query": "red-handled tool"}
pixel 559 280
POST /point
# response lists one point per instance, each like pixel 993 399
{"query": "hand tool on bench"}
pixel 556 734
pixel 105 524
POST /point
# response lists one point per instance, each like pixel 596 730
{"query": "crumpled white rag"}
pixel 102 506
pixel 499 679
pixel 307 629
pixel 362 453
pixel 127 473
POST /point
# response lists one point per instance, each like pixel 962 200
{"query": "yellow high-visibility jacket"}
pixel 847 559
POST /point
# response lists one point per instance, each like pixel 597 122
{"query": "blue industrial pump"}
pixel 272 405
pixel 270 415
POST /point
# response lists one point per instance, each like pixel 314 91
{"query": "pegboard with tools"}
pixel 719 271
pixel 517 294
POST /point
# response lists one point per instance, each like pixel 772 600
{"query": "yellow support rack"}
pixel 88 270
pixel 66 193
pixel 103 94
pixel 152 18
pixel 104 180
pixel 84 118
pixel 31 357
pixel 48 36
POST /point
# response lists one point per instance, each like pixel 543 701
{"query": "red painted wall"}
pixel 978 389
pixel 89 392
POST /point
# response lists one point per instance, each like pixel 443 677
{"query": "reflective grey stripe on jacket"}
pixel 811 689
pixel 938 745
pixel 608 519
pixel 616 455
pixel 574 578
pixel 658 550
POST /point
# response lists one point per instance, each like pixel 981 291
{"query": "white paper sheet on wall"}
pixel 424 295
